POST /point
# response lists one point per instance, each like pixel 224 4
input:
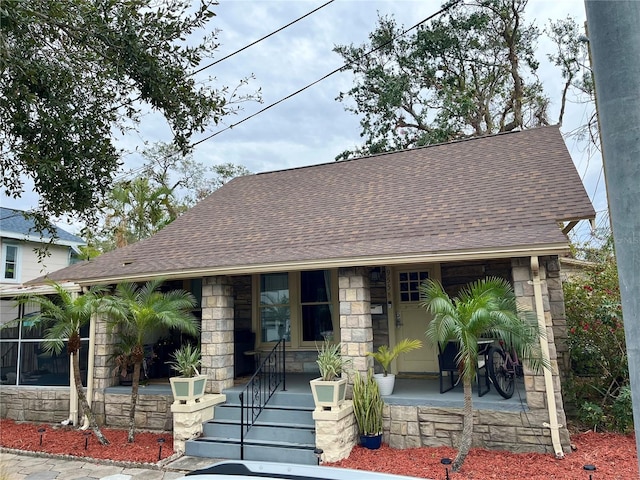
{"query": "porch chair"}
pixel 448 367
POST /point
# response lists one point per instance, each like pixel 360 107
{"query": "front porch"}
pixel 415 415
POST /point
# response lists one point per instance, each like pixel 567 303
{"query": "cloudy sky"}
pixel 312 127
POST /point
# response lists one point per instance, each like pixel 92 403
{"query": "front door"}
pixel 411 321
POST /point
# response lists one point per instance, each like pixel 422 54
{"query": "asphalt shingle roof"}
pixel 15 223
pixel 494 193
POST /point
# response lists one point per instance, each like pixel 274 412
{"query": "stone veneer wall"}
pixel 242 302
pixel 417 426
pixel 216 333
pixel 379 322
pixel 34 404
pixel 152 411
pixel 555 294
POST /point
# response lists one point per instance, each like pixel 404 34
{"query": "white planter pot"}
pixel 328 394
pixel 385 384
pixel 188 389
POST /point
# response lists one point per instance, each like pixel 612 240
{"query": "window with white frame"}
pixel 10 262
pixel 25 361
pixel 299 306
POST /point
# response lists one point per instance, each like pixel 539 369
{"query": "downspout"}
pixel 548 377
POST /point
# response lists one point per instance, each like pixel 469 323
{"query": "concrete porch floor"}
pixel 417 390
pixel 409 390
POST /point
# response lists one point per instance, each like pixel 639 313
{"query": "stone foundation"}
pixel 152 411
pixel 37 404
pixel 416 426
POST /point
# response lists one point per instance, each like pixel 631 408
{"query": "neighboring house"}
pixel 342 247
pixel 20 243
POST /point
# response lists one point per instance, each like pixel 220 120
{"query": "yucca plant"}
pixel 330 360
pixel 186 360
pixel 384 356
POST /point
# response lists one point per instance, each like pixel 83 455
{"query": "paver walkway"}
pixel 18 466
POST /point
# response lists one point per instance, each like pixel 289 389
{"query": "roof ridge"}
pixel 421 147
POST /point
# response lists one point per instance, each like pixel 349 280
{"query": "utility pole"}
pixel 614 40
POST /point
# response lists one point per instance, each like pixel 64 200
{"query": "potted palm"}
pixel 367 407
pixel 189 386
pixel 384 356
pixel 330 389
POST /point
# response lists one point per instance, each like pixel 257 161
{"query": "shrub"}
pixel 598 354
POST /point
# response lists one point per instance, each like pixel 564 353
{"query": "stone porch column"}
pixel 103 373
pixel 534 381
pixel 356 328
pixel 216 335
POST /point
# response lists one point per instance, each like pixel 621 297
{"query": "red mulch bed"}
pixel 68 440
pixel 613 455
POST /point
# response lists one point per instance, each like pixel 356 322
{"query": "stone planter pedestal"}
pixel 188 418
pixel 336 431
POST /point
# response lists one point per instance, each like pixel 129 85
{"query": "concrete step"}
pixel 272 451
pixel 287 432
pixel 273 414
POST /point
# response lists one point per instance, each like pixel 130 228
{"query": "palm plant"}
pixel 136 310
pixel 484 308
pixel 384 356
pixel 64 316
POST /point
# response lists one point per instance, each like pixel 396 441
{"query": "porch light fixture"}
pixel 446 462
pixel 318 453
pixel 376 274
pixel 590 468
pixel 87 433
pixel 160 443
pixel 41 432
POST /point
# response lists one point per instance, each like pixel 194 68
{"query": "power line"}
pixel 439 12
pixel 134 171
pixel 263 38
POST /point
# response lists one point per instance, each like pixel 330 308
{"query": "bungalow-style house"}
pixel 20 244
pixel 342 248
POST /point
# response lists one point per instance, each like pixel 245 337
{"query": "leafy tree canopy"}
pixel 162 189
pixel 75 71
pixel 470 72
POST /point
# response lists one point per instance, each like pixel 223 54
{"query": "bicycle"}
pixel 504 368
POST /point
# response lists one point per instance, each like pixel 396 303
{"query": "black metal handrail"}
pixel 260 388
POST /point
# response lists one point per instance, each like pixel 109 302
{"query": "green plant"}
pixel 133 311
pixel 622 411
pixel 384 356
pixel 64 316
pixel 330 360
pixel 367 404
pixel 591 414
pixel 484 308
pixel 186 360
pixel 596 338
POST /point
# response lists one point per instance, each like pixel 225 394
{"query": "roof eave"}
pixel 376 260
